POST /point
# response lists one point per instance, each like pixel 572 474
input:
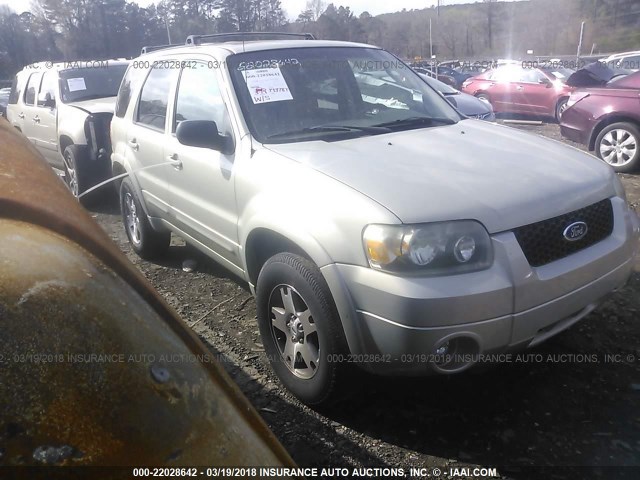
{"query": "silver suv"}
pixel 375 224
pixel 65 109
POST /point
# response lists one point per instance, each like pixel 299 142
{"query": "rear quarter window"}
pixel 154 98
pixel 17 86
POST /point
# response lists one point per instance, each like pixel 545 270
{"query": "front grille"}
pixel 543 242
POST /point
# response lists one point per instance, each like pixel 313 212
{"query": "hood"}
pixel 468 104
pixel 96 105
pixel 594 75
pixel 497 175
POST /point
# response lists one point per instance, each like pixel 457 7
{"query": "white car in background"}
pixel 65 110
pixel 625 61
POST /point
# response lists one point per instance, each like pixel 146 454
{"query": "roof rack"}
pixel 153 48
pixel 243 36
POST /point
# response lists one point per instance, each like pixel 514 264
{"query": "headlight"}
pixel 441 248
pixel 575 98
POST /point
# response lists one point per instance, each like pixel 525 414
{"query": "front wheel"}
pixel 484 97
pixel 76 174
pixel 617 144
pixel 145 241
pixel 300 328
pixel 560 108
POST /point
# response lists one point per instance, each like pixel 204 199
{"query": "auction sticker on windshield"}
pixel 76 84
pixel 267 85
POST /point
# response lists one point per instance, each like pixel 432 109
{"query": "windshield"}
pixel 330 93
pixel 88 83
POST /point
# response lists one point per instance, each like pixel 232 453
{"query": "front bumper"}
pixel 395 324
pixel 576 135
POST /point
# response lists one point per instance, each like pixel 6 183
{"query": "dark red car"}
pixel 607 119
pixel 514 89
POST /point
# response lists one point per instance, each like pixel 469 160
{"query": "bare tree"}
pixel 316 7
pixel 490 15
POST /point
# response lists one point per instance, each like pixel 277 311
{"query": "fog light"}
pixel 464 249
pixel 443 349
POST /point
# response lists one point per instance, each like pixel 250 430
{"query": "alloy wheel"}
pixel 70 175
pixel 132 220
pixel 294 331
pixel 618 147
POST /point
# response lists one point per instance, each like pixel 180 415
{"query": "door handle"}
pixel 36 119
pixel 177 163
pixel 21 115
pixel 134 145
pixel 519 88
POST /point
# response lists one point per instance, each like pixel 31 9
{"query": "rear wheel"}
pixel 300 328
pixel 145 241
pixel 618 145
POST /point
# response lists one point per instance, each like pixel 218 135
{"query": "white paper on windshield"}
pixel 76 84
pixel 267 85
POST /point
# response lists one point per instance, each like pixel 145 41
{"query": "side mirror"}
pixel 203 134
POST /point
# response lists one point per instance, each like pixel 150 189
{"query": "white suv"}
pixel 376 225
pixel 626 61
pixel 65 109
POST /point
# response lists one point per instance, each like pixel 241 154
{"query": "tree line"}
pixel 101 29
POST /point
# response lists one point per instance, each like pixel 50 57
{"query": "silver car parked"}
pixel 375 225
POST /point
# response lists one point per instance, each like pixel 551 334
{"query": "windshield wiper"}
pixel 372 130
pixel 417 122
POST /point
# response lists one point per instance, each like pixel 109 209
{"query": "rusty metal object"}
pixel 96 369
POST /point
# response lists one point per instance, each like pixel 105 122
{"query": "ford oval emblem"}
pixel 575 231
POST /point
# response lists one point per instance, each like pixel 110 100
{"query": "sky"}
pixel 294 7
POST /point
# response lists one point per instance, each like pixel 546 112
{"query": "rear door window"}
pixel 152 106
pixel 32 88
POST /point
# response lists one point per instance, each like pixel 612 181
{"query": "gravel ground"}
pixel 565 404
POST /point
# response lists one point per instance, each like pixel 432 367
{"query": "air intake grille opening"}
pixel 544 242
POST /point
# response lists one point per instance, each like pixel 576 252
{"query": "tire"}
pixel 560 108
pixel 484 97
pixel 145 241
pixel 296 314
pixel 618 145
pixel 76 172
